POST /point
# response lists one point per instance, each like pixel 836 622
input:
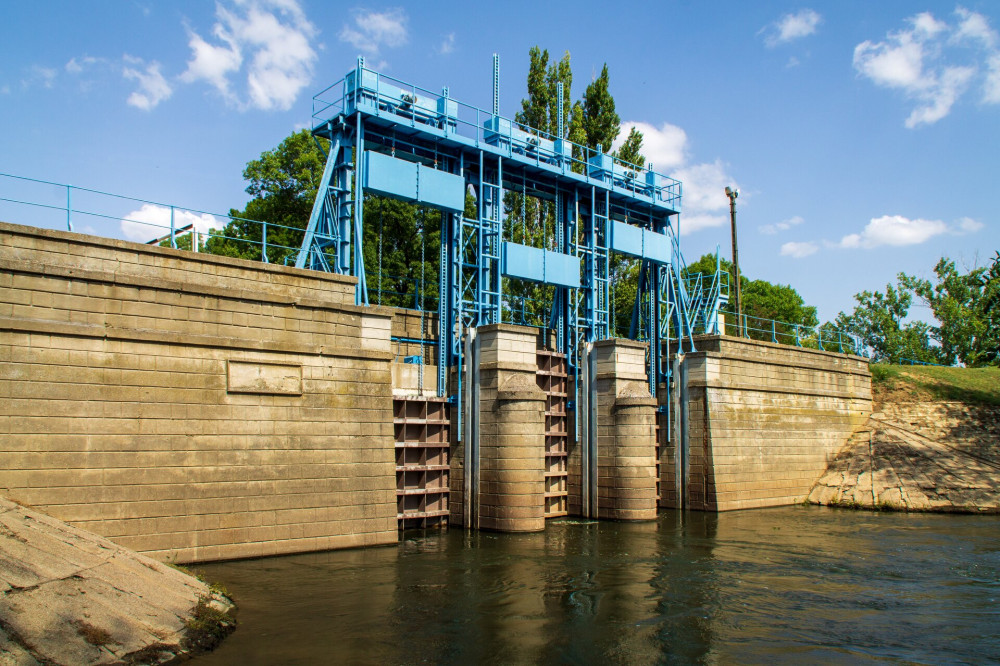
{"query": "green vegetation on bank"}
pixel 910 383
pixel 966 309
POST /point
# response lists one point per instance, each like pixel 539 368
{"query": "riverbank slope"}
pixel 68 596
pixel 932 444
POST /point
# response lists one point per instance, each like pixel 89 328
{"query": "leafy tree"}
pixel 600 120
pixel 991 305
pixel 283 184
pixel 763 302
pixel 402 253
pixel 629 151
pixel 878 321
pixel 958 303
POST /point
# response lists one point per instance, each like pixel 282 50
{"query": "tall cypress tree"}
pixel 600 120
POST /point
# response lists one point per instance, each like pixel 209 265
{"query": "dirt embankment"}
pixel 70 597
pixel 918 454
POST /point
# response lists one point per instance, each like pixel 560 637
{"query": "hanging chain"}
pixel 423 246
pixel 381 224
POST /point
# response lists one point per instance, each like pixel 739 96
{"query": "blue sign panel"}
pixel 638 242
pixel 538 265
pixel 413 182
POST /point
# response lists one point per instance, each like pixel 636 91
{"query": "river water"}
pixel 794 585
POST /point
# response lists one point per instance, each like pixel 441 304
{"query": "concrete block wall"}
pixel 626 425
pixel 511 434
pixel 189 406
pixel 409 379
pixel 765 419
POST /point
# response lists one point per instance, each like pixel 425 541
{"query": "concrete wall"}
pixel 765 419
pixel 189 406
pixel 626 424
pixel 511 431
pixel 408 328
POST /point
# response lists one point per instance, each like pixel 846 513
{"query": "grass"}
pixel 912 383
pixel 207 626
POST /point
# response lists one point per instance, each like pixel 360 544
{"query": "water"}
pixel 793 585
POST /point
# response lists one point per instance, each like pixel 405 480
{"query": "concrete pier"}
pixel 626 427
pixel 512 431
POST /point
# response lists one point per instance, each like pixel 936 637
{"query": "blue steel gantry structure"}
pixel 393 139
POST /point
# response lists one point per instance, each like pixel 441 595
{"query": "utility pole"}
pixel 732 193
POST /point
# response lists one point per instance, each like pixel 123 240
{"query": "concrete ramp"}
pixel 919 457
pixel 71 597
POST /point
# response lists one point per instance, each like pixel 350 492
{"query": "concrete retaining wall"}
pixel 765 419
pixel 189 406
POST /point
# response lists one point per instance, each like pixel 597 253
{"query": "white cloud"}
pixel 664 147
pixel 448 44
pixel 697 221
pixel 967 225
pixel 269 39
pixel 941 97
pixel 153 88
pixel 798 250
pixel 5 90
pixel 991 86
pixel 771 229
pixel 666 151
pixel 974 27
pixel 39 75
pixel 934 63
pixel 77 65
pixel 152 221
pixel 371 30
pixel 704 186
pixel 704 195
pixel 894 230
pixel 213 63
pixel 790 27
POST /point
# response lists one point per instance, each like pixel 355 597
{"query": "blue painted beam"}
pixel 413 182
pixel 641 243
pixel 538 265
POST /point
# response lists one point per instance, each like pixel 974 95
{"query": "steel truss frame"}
pixel 601 206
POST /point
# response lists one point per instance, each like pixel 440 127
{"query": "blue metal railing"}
pixel 384 95
pixel 824 338
pixel 170 232
pixel 913 361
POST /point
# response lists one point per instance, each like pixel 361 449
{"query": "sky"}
pixel 864 136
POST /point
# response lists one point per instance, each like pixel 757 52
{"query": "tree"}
pixel 763 302
pixel 601 122
pixel 991 305
pixel 283 184
pixel 878 321
pixel 629 151
pixel 959 304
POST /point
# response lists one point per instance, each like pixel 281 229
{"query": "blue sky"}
pixel 864 136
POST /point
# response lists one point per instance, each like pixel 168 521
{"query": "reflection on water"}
pixel 801 584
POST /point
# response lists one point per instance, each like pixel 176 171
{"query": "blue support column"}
pixel 361 292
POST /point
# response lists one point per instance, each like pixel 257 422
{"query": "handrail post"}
pixel 263 250
pixel 173 239
pixel 69 208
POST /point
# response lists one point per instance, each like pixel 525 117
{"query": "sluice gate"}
pixel 486 174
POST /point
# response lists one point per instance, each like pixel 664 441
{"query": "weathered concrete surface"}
pixel 70 597
pixel 190 406
pixel 765 419
pixel 919 457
